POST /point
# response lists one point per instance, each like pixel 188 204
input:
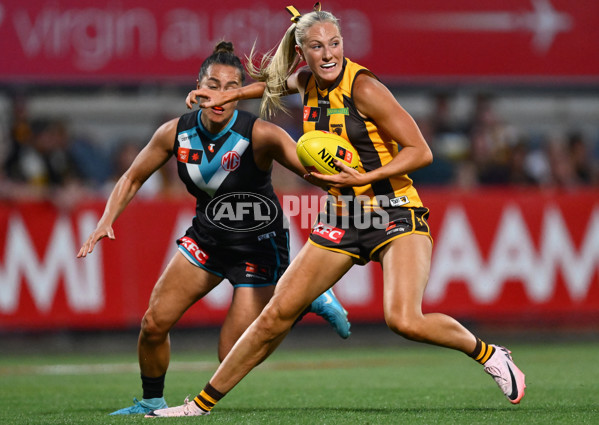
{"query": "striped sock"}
pixel 482 352
pixel 209 396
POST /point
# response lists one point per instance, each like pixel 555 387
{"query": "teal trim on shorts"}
pixel 253 285
pixel 195 262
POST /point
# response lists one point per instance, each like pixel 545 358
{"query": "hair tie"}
pixel 295 15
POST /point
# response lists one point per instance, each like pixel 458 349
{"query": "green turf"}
pixel 407 385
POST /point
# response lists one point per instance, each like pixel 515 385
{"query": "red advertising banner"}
pixel 508 255
pixel 69 41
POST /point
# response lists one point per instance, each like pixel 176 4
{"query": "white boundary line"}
pixel 95 369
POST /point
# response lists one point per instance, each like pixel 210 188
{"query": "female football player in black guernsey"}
pixel 224 157
pixel 341 96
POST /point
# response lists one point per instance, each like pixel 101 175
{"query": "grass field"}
pixel 414 384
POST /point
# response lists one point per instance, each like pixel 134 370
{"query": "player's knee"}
pixel 271 323
pixel 407 326
pixel 151 329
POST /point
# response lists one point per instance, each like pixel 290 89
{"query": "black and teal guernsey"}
pixel 236 203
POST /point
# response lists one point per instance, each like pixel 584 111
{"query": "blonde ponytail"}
pixel 274 69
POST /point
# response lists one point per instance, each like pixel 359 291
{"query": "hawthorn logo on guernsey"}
pixel 241 211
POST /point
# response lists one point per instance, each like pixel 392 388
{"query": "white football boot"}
pixel 188 408
pixel 507 375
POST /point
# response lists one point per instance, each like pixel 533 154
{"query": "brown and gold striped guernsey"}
pixel 333 110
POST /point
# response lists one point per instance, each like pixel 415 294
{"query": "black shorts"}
pixel 363 237
pixel 257 264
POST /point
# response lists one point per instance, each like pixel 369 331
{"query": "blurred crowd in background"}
pixel 43 158
pixel 485 149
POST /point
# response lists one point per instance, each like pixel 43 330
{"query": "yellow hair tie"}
pixel 295 15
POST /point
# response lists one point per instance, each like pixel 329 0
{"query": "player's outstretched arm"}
pixel 210 98
pixel 123 192
pixel 151 158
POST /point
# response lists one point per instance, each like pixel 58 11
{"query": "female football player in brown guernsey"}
pixel 346 98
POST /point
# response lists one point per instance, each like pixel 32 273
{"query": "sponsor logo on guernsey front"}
pixel 231 161
pixel 337 111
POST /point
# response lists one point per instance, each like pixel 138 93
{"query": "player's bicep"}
pixel 273 143
pixel 158 150
pixel 377 103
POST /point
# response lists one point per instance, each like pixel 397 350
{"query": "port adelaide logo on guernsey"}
pixel 241 211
